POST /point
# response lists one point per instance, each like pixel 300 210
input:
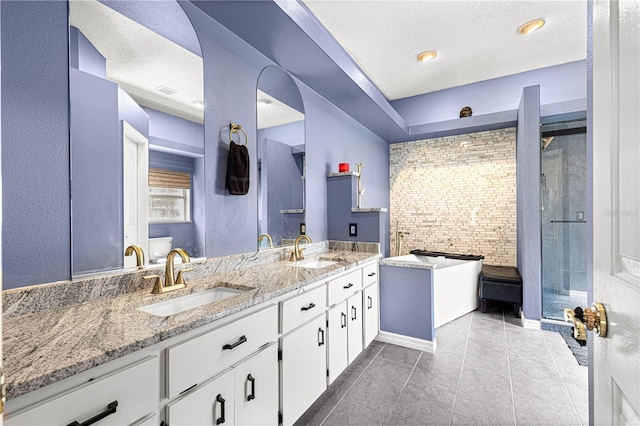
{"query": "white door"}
pixel 337 338
pixel 616 207
pixel 135 182
pixel 256 381
pixel 354 330
pixel 303 368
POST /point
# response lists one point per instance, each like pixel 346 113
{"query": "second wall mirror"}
pixel 281 158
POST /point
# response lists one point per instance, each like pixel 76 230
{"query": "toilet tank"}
pixel 159 248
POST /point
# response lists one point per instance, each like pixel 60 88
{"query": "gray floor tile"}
pixel 348 413
pixel 400 354
pixel 461 322
pixel 540 381
pixel 495 319
pixel 353 371
pixel 579 394
pixel 380 385
pixel 422 405
pixel 440 370
pixel 475 345
pixel 462 420
pixel 320 409
pixel 490 362
pixel 451 339
pixel 484 397
pixel 533 412
pixel 492 333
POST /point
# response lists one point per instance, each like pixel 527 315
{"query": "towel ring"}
pixel 233 128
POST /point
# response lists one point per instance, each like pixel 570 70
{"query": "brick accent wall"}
pixel 456 194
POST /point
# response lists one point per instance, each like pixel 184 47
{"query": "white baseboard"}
pixel 529 323
pixel 407 342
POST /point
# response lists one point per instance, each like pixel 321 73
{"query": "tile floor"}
pixel 487 370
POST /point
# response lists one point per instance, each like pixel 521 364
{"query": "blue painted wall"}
pixel 96 172
pixel 529 237
pixel 175 133
pixel 36 229
pixel 406 301
pixel 84 56
pixel 557 84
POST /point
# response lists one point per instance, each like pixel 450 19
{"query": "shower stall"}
pixel 564 219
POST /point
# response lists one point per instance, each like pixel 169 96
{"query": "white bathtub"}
pixel 455 285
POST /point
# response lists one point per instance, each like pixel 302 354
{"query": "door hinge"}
pixel 327 372
pixel 280 417
pixel 3 391
pixel 279 354
pixel 327 323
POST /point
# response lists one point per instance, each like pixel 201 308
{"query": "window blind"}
pixel 162 178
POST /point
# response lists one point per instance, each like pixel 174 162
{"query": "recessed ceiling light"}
pixel 263 101
pixel 426 56
pixel 531 26
pixel 199 103
pixel 166 90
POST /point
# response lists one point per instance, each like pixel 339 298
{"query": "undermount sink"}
pixel 314 263
pixel 181 304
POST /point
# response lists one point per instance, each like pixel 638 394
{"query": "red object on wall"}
pixel 343 167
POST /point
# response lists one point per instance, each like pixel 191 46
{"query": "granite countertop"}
pixel 44 347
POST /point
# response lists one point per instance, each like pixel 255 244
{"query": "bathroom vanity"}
pixel 258 357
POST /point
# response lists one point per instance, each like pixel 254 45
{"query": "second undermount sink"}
pixel 314 263
pixel 181 304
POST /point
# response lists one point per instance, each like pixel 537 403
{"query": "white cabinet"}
pixel 202 357
pixel 337 340
pixel 210 404
pixel 122 397
pixel 354 329
pixel 256 393
pixel 303 368
pixel 344 286
pixel 371 309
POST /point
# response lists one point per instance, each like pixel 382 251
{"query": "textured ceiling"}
pixel 475 40
pixel 275 113
pixel 139 60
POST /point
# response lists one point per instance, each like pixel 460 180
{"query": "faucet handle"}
pixel 300 250
pixel 157 285
pixel 180 277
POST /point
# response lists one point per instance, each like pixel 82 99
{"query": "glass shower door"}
pixel 564 221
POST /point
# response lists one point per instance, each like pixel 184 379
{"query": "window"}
pixel 169 196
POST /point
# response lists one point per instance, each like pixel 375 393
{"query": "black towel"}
pixel 238 169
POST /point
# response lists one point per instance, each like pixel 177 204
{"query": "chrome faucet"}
pixel 139 254
pixel 268 237
pixel 296 254
pixel 171 283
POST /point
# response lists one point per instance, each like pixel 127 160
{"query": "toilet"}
pixel 159 248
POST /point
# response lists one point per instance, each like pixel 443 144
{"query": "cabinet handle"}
pixel 348 286
pixel 371 274
pixel 320 334
pixel 354 313
pixel 306 308
pixel 252 379
pixel 240 341
pixel 343 315
pixel 370 302
pixel 111 408
pixel 221 400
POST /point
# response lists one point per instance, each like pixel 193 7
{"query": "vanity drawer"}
pixel 344 286
pixel 202 357
pixel 133 390
pixel 369 274
pixel 302 308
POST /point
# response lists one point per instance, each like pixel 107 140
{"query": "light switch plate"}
pixel 579 215
pixel 353 229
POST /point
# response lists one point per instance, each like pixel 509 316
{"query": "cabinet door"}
pixel 256 381
pixel 354 312
pixel 371 309
pixel 337 340
pixel 303 368
pixel 210 404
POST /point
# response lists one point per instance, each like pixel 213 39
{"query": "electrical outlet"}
pixel 353 229
pixel 303 229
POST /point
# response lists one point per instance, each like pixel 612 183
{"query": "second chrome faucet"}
pixel 171 283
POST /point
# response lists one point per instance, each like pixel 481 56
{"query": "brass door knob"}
pixel 593 319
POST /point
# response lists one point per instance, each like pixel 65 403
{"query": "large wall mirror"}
pixel 137 133
pixel 281 158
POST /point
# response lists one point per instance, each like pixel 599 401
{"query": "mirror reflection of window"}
pixel 169 196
